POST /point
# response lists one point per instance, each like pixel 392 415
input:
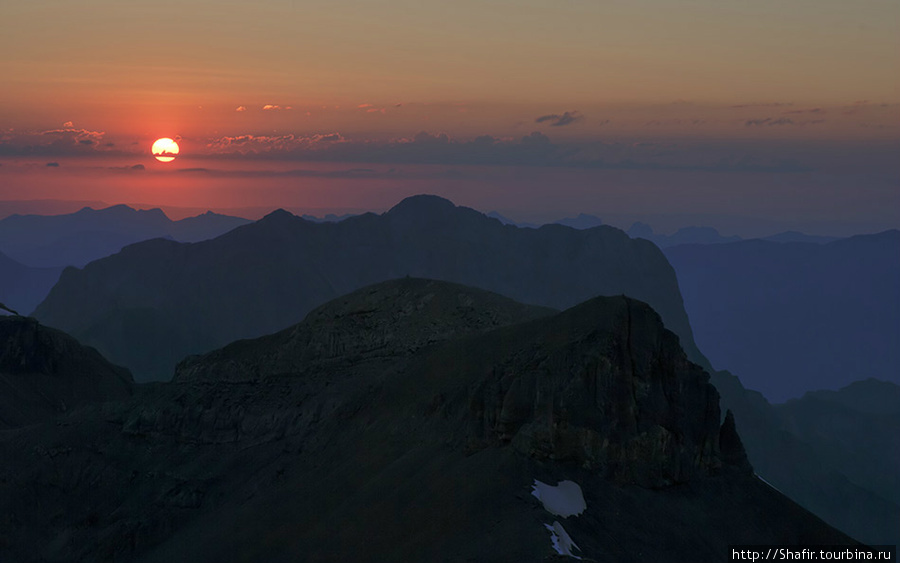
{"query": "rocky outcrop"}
pixel 607 387
pixel 44 372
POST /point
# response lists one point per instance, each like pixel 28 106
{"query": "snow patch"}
pixel 565 499
pixel 562 543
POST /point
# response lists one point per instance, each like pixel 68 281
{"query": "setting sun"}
pixel 165 149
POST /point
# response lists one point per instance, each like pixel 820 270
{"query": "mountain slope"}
pixel 793 317
pixel 410 448
pixel 45 372
pixel 155 302
pixel 23 287
pixel 856 428
pixel 819 454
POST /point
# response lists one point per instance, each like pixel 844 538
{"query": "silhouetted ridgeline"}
pixel 74 239
pixel 158 301
pixel 408 421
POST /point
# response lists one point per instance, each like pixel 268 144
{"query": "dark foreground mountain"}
pixel 155 302
pixel 793 317
pixel 354 437
pixel 45 372
pixel 23 287
pixel 75 239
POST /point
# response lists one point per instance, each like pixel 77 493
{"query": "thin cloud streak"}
pixel 557 120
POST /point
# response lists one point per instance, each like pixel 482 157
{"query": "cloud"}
pixel 75 135
pixel 273 107
pixel 439 148
pixel 557 120
pixel 271 144
pixel 240 109
pixel 68 125
pixel 67 141
pixel 675 122
pixel 765 105
pixel 770 122
pixel 132 168
pixel 423 148
pixel 52 164
pixel 814 110
pixel 361 106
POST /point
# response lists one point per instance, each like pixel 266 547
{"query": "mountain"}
pixel 685 235
pixel 327 218
pixel 870 397
pixel 389 319
pixel 794 236
pixel 89 234
pixel 45 206
pixel 155 302
pixel 354 436
pixel 856 427
pixel 793 317
pixel 582 221
pixel 839 461
pixel 23 287
pixel 45 372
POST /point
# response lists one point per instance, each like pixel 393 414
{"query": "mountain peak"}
pixel 423 204
pixel 279 216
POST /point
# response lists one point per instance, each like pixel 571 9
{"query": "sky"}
pixel 769 112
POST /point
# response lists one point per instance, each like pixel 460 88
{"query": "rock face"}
pixel 156 302
pixel 44 372
pixel 607 387
pixel 405 422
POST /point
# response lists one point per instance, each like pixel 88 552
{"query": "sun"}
pixel 164 149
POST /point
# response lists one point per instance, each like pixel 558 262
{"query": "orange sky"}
pixel 467 67
pixel 803 95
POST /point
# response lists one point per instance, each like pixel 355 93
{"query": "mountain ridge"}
pixel 261 277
